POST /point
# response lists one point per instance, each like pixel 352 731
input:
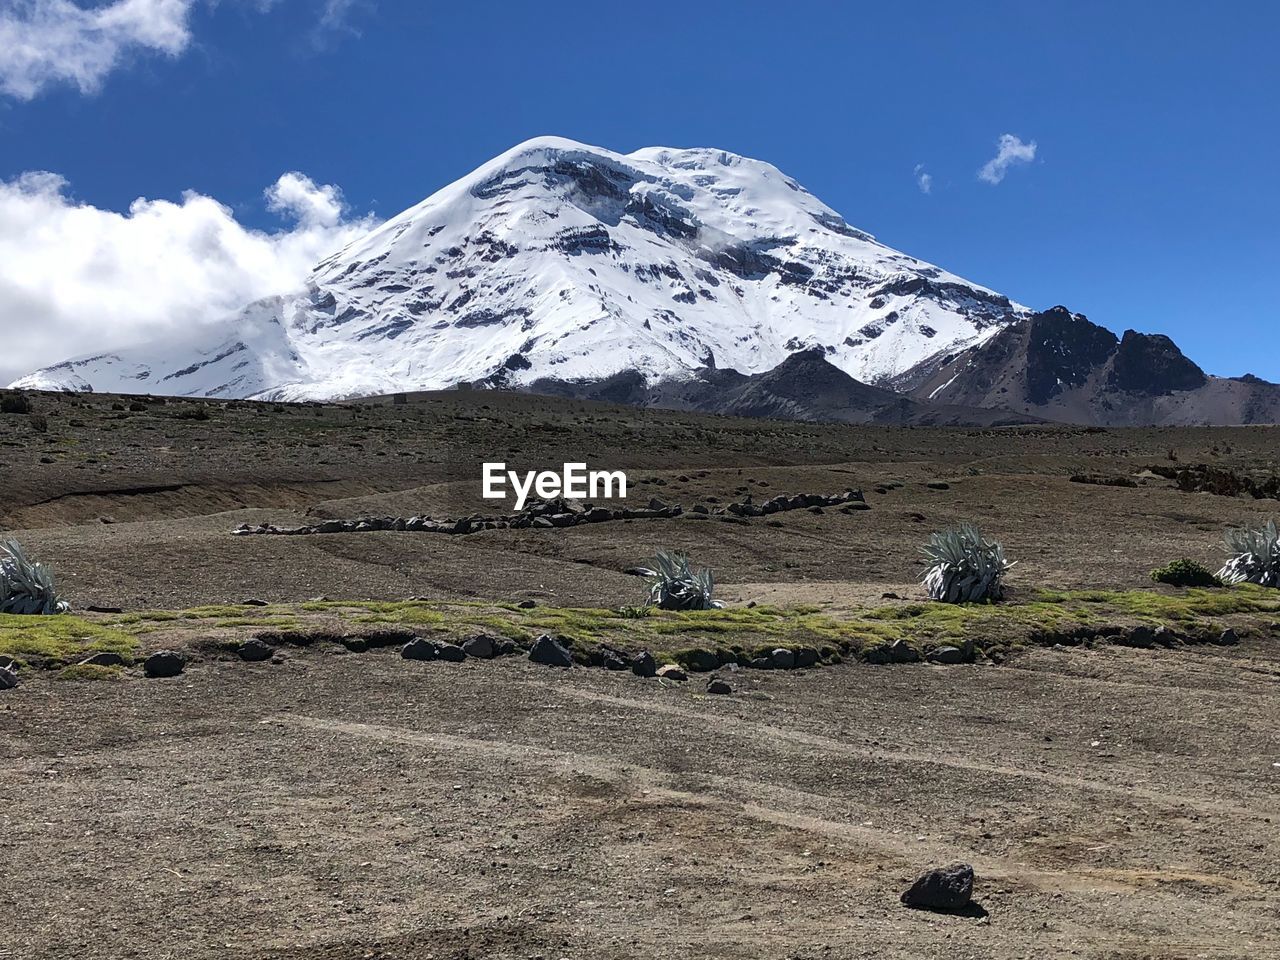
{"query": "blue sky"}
pixel 1151 202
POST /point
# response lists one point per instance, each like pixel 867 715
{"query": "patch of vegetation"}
pixel 1185 573
pixel 1254 555
pixel 60 639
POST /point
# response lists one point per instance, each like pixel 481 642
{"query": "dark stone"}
pixel 164 663
pixel 419 649
pixel 255 651
pixel 451 653
pixel 938 485
pixel 643 664
pixel 806 657
pixel 783 659
pixel 899 651
pixel 761 663
pixel 671 672
pixel 546 650
pixel 1228 638
pixel 716 685
pixel 527 604
pixel 947 889
pixel 946 655
pixel 505 648
pixel 701 661
pixel 95 608
pixel 104 659
pixel 8 678
pixel 254 602
pixel 482 647
pixel 356 644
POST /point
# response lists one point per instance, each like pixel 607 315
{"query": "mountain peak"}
pixel 560 260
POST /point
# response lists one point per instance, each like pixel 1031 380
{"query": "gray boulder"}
pixel 783 659
pixel 8 678
pixel 643 664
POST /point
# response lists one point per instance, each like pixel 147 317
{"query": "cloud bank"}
pixel 77 279
pixel 1010 150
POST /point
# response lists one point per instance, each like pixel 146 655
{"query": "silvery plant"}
pixel 26 587
pixel 1254 556
pixel 964 566
pixel 675 586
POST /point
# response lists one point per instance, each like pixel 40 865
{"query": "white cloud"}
pixel 46 42
pixel 76 279
pixel 923 180
pixel 1009 150
pixel 297 196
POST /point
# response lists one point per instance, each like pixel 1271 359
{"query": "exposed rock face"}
pixel 1058 365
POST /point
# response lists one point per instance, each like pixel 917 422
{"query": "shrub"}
pixel 26 587
pixel 15 403
pixel 964 567
pixel 39 422
pixel 1185 573
pixel 675 586
pixel 1254 556
pixel 193 413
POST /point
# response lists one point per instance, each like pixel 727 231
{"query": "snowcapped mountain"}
pixel 559 261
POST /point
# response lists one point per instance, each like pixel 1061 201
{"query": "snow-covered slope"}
pixel 559 260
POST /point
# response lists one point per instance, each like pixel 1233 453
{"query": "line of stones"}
pixel 544 514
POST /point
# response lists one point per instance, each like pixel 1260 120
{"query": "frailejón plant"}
pixel 26 587
pixel 675 586
pixel 964 567
pixel 1253 556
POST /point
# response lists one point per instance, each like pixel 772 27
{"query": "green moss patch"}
pixel 60 638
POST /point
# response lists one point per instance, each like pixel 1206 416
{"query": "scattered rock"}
pixel 8 678
pixel 1228 638
pixel 104 659
pixel 8 663
pixel 671 672
pixel 806 657
pixel 782 658
pixel 255 651
pixel 94 608
pixel 643 664
pixel 546 650
pixel 716 685
pixel 451 653
pixel 482 647
pixel 947 889
pixel 505 648
pixel 419 649
pixel 164 663
pixel 946 655
pixel 898 651
pixel 938 485
pixel 761 663
pixel 527 604
pixel 254 602
pixel 702 661
pixel 355 644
